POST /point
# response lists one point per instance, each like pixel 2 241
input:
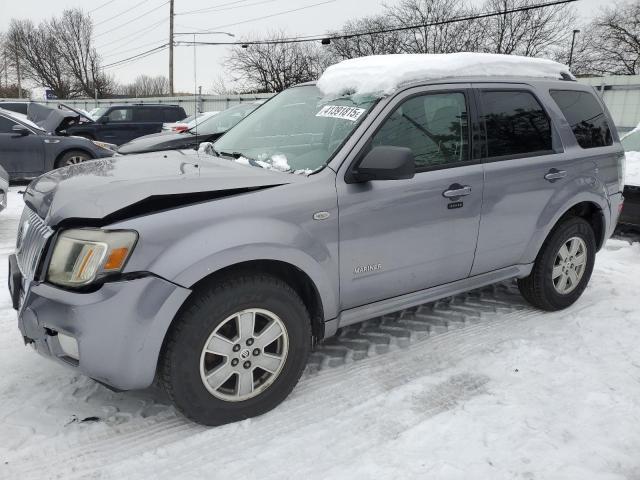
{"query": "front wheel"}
pixel 563 267
pixel 72 158
pixel 237 350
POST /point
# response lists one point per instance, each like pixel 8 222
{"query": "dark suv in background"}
pixel 122 123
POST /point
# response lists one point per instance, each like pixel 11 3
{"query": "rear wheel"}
pixel 563 267
pixel 72 157
pixel 237 350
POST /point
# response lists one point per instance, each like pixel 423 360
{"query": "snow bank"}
pixel 382 74
pixel 632 170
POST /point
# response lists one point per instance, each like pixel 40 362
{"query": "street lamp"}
pixel 573 41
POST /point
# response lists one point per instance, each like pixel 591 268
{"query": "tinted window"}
pixel 147 114
pixel 19 107
pixel 516 124
pixel 435 127
pixel 173 114
pixel 586 117
pixel 120 115
pixel 6 125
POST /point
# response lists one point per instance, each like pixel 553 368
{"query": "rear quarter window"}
pixel 585 116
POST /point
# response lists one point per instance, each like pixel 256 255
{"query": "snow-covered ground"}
pixel 475 387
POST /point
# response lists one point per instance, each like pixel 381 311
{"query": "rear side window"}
pixel 147 114
pixel 516 124
pixel 585 116
pixel 6 125
pixel 173 114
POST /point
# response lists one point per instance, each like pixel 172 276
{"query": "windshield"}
pixel 96 113
pixel 224 120
pixel 298 131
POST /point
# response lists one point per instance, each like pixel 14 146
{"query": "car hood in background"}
pixel 157 142
pixel 52 119
pixel 106 190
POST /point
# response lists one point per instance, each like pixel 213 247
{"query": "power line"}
pixel 103 5
pixel 219 9
pixel 316 38
pixel 120 52
pixel 135 35
pixel 138 56
pixel 275 15
pixel 132 20
pixel 121 13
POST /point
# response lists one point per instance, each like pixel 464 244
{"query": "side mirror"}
pixel 20 130
pixel 103 120
pixel 384 163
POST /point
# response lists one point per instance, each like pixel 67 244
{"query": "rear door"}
pixel 525 170
pixel 149 119
pixel 20 155
pixel 402 236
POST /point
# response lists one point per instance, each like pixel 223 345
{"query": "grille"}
pixel 30 243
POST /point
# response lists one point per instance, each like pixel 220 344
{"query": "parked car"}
pixel 188 122
pixel 4 188
pixel 28 150
pixel 630 216
pixel 217 273
pixel 207 131
pixel 116 124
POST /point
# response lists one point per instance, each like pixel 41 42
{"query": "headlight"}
pixel 82 255
pixel 106 146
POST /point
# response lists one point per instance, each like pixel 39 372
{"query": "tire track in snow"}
pixel 459 322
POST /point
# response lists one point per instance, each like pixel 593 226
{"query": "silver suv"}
pixel 218 272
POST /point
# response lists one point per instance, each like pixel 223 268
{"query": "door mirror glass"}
pixel 20 130
pixel 384 163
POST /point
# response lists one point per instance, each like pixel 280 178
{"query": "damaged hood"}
pixel 110 189
pixel 54 119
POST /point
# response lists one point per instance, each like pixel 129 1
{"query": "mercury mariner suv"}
pixel 216 273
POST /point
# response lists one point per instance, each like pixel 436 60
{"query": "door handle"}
pixel 555 174
pixel 456 190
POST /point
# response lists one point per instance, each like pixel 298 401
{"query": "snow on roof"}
pixel 382 74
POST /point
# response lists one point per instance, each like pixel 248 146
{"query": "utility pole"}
pixel 171 46
pixel 573 41
pixel 18 74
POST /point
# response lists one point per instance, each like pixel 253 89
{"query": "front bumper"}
pixel 119 329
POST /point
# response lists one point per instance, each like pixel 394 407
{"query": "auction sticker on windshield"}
pixel 340 111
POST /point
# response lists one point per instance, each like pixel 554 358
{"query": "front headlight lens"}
pixel 82 255
pixel 106 146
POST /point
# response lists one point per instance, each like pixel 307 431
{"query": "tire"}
pixel 72 157
pixel 555 285
pixel 211 314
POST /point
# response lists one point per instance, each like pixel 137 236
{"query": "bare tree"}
pixel 73 32
pixel 615 39
pixel 532 32
pixel 361 45
pixel 274 67
pixel 146 86
pixel 440 33
pixel 39 54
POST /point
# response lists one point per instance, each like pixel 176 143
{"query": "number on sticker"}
pixel 340 111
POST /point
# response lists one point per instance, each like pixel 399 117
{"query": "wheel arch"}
pixel 71 149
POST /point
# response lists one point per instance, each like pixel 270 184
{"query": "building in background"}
pixel 621 94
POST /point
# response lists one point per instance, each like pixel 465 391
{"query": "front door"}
pixel 401 236
pixel 20 155
pixel 118 126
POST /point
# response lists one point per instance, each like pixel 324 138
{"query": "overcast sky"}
pixel 124 28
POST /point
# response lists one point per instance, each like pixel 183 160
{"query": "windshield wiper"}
pixel 238 155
